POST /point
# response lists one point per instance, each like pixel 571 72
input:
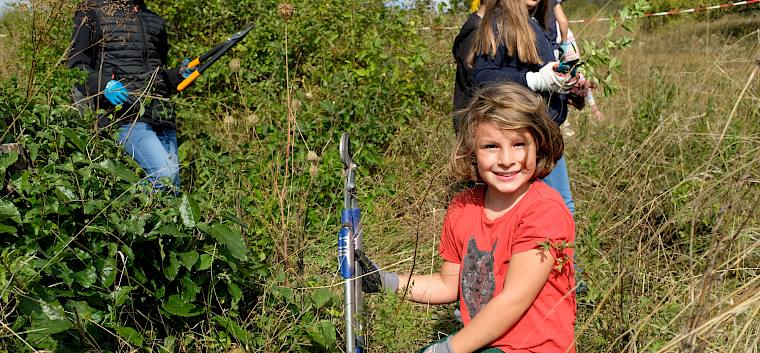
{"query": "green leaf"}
pixel 119 170
pixel 9 211
pixel 321 297
pixel 183 149
pixel 120 295
pixel 231 239
pixel 323 334
pixel 5 229
pixel 233 328
pixel 74 138
pixel 172 269
pixel 189 289
pixel 205 262
pixel 84 312
pixel 235 292
pixel 189 258
pixel 130 335
pixel 6 160
pixel 65 193
pixel 94 206
pixel 86 277
pixel 42 327
pixel 108 272
pixel 189 211
pixel 168 346
pixel 178 307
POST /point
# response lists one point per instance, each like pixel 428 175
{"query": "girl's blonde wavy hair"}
pixel 509 106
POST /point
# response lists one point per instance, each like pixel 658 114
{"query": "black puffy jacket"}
pixel 122 40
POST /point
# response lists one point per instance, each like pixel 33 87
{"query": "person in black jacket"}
pixel 463 85
pixel 123 48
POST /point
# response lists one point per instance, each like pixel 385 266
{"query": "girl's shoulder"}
pixel 472 197
pixel 542 198
pixel 540 195
pixel 543 192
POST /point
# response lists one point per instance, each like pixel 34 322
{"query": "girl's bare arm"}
pixel 438 288
pixel 527 275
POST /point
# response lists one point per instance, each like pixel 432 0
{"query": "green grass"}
pixel 666 186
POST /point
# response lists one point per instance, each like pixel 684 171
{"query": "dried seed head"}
pixel 312 156
pixel 295 105
pixel 285 10
pixel 235 65
pixel 228 120
pixel 252 119
pixel 313 170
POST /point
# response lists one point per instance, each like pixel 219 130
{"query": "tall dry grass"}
pixel 668 194
pixel 666 187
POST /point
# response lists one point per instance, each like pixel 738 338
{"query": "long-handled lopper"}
pixel 349 240
pixel 210 57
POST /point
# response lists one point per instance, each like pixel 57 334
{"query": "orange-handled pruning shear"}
pixel 210 57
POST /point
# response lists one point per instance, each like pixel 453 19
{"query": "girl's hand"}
pixel 547 79
pixel 374 279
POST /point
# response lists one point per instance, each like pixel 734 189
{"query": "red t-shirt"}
pixel 483 248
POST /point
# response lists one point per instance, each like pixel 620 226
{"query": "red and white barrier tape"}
pixel 679 12
pixel 655 14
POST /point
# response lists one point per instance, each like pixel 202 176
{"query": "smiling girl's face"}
pixel 506 160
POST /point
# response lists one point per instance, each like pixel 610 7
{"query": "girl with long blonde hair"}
pixel 511 45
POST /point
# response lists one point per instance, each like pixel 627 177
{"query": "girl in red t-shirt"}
pixel 506 243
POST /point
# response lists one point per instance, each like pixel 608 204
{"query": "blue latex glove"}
pixel 440 347
pixel 185 71
pixel 116 93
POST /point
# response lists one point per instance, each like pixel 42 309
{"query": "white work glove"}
pixel 440 347
pixel 549 80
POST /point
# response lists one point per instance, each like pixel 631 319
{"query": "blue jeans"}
pixel 559 180
pixel 155 150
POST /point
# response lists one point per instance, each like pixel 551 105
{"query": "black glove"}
pixel 373 278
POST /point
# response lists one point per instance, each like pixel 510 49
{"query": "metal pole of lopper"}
pixel 349 240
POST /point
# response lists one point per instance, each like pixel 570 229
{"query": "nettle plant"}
pixel 91 258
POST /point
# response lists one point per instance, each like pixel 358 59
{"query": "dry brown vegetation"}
pixel 666 186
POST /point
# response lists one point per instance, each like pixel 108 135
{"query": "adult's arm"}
pixel 439 288
pixel 528 272
pixel 564 24
pixel 172 74
pixel 82 54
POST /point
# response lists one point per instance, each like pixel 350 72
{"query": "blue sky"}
pixel 4 2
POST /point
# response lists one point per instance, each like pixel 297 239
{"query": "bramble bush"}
pixel 90 253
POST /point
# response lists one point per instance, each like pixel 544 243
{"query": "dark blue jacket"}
pixel 122 40
pixel 463 85
pixel 551 28
pixel 504 67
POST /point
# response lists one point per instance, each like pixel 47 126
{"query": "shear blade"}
pixel 345 150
